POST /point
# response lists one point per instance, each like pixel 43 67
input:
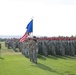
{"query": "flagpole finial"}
pixel 32 17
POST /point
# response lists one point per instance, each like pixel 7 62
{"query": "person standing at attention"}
pixel 33 49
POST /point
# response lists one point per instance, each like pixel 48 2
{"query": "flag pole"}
pixel 32 32
pixel 33 24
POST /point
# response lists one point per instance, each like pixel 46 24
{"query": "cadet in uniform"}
pixel 33 49
pixel 0 49
pixel 26 49
pixel 0 45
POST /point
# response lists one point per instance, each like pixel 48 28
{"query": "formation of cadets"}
pixel 57 46
pixel 29 48
pixel 44 46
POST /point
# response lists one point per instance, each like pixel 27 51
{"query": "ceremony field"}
pixel 14 63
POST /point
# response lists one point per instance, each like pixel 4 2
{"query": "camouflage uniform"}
pixel 0 49
pixel 61 49
pixel 23 48
pixel 20 46
pixel 26 51
pixel 33 50
pixel 0 45
pixel 8 45
pixel 44 48
pixel 40 48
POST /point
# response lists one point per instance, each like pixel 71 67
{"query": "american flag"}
pixel 24 37
pixel 29 30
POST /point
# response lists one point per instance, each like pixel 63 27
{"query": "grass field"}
pixel 14 63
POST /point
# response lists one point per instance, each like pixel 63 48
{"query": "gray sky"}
pixel 51 17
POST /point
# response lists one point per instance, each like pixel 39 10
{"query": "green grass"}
pixel 14 63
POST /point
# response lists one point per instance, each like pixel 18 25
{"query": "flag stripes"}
pixel 24 37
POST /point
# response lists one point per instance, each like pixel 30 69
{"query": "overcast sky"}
pixel 50 17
